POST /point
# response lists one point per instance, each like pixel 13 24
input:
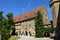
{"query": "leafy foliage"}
pixel 49 29
pixel 5 34
pixel 10 19
pixel 39 28
pixel 6 25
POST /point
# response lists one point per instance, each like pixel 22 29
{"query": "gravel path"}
pixel 32 38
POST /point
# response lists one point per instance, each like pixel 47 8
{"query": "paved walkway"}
pixel 32 38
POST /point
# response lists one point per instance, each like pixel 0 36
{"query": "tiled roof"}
pixel 47 23
pixel 28 15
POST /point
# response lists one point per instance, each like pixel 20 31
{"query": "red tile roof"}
pixel 28 15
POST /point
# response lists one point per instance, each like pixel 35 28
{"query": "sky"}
pixel 18 7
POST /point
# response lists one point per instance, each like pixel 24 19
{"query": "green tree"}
pixel 39 28
pixel 5 34
pixel 1 18
pixel 11 22
pixel 6 24
pixel 10 19
pixel 3 31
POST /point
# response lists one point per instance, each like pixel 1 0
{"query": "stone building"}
pixel 55 6
pixel 55 9
pixel 25 23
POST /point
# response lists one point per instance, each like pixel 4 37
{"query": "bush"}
pixel 48 30
pixel 5 34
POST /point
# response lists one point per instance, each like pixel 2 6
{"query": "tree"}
pixel 3 31
pixel 6 24
pixel 11 22
pixel 39 28
pixel 10 19
pixel 5 34
pixel 1 18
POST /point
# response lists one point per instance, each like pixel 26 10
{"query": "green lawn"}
pixel 13 38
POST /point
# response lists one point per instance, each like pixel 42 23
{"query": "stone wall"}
pixel 28 26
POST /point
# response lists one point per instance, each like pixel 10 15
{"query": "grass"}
pixel 13 38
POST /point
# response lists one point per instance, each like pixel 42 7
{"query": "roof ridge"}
pixel 30 10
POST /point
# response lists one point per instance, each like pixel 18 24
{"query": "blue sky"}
pixel 18 7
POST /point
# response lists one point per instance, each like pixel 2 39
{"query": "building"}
pixel 25 23
pixel 55 10
pixel 55 6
